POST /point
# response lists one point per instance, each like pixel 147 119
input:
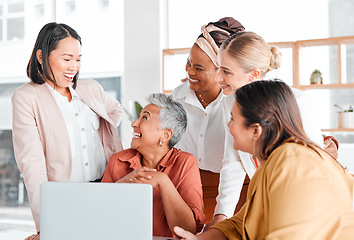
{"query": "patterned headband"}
pixel 207 43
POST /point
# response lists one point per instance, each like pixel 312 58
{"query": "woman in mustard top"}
pixel 299 191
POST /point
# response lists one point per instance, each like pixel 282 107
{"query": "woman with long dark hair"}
pixel 299 191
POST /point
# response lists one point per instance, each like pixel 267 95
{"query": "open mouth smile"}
pixel 69 77
pixel 192 81
pixel 137 135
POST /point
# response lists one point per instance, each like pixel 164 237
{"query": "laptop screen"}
pixel 95 211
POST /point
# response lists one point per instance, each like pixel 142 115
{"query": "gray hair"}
pixel 172 115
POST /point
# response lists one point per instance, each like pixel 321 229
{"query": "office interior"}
pixel 122 48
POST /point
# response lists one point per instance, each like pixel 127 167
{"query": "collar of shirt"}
pixel 192 99
pixel 134 158
pixel 62 98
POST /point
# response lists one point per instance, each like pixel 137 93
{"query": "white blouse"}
pixel 215 152
pixel 88 159
pixel 205 139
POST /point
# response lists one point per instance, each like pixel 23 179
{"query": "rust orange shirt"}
pixel 182 169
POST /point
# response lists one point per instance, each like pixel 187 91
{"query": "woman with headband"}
pixel 243 57
pixel 202 99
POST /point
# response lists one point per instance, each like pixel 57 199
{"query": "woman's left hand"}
pixel 157 178
pixel 133 177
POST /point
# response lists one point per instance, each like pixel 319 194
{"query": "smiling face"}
pixel 147 131
pixel 65 62
pixel 231 75
pixel 243 135
pixel 201 71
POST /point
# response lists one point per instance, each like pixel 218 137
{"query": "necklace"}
pixel 202 100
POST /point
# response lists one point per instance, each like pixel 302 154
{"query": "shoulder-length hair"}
pixel 47 41
pixel 272 104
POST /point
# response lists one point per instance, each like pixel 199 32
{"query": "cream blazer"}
pixel 40 138
pixel 296 194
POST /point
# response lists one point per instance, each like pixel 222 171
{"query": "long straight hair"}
pixel 272 104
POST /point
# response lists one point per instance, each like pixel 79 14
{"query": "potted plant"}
pixel 316 77
pixel 346 117
pixel 135 109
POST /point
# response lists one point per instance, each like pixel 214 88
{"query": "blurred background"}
pixel 123 42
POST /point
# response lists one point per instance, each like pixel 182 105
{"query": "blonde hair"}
pixel 252 52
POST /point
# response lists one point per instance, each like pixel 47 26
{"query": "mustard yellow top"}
pixel 296 194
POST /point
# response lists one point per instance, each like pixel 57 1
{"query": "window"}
pixel 12 190
pixel 15 29
pixel 12 20
pixel 103 4
pixel 70 6
pixel 39 10
pixel 112 86
pixel 15 6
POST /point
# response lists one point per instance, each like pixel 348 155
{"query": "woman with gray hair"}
pixel 152 159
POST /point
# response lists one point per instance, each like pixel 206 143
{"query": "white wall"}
pixel 142 55
pixel 275 20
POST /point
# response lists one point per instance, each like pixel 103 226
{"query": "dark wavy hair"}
pixel 272 104
pixel 47 41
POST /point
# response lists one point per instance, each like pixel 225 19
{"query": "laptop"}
pixel 92 211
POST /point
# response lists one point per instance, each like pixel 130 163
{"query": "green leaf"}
pixel 138 108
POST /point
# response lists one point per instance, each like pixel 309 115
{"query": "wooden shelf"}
pixel 326 41
pixel 327 86
pixel 338 130
pixel 172 51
